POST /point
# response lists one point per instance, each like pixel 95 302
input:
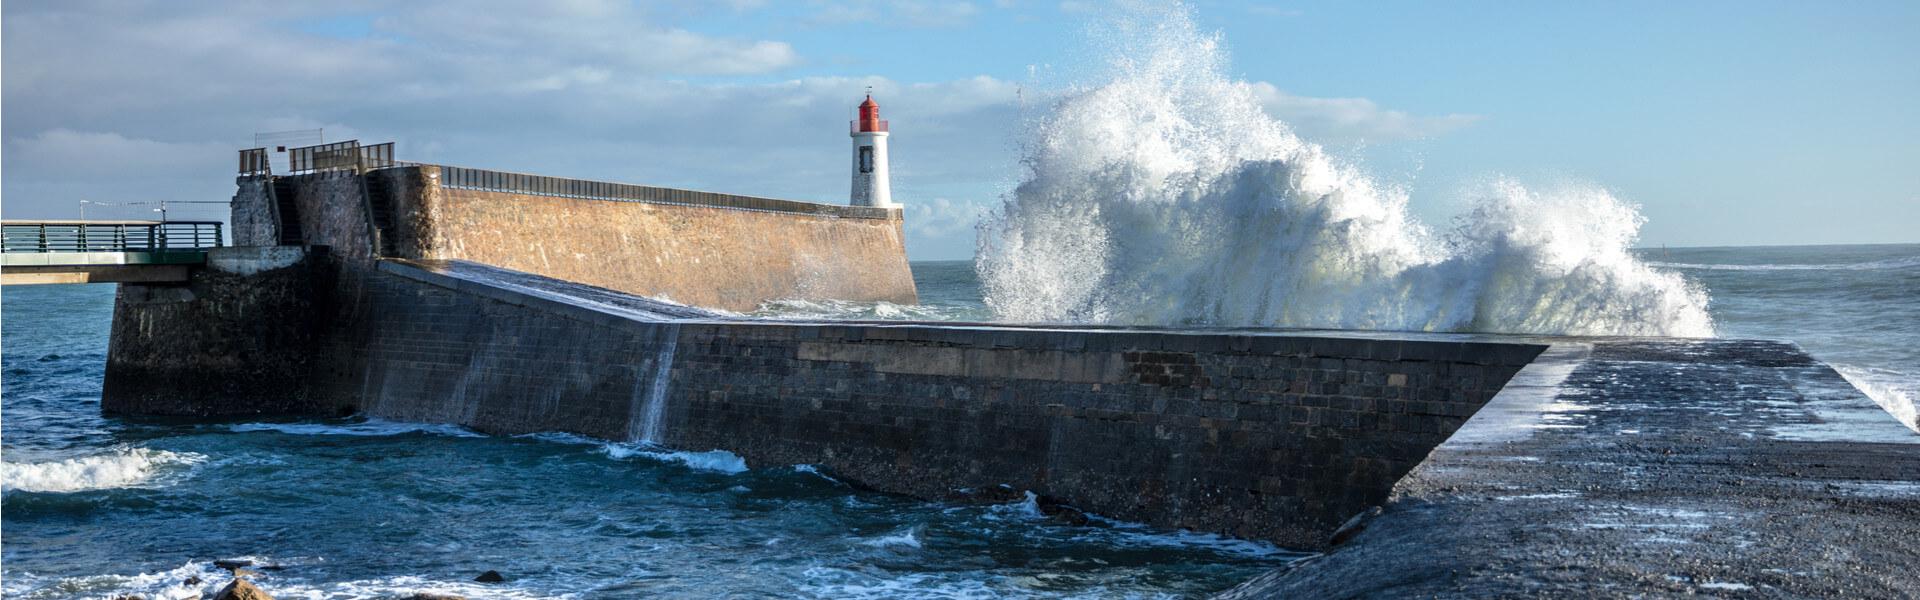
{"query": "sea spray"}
pixel 649 403
pixel 119 468
pixel 1166 196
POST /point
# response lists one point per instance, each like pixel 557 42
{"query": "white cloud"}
pixel 152 101
pixel 943 218
pixel 1353 119
pixel 907 13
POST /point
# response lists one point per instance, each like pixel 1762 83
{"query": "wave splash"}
pixel 1892 390
pixel 1166 196
pixel 121 468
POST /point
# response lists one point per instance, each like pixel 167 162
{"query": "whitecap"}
pixel 1892 390
pixel 719 461
pixel 907 539
pixel 1905 262
pixel 120 468
pixel 369 427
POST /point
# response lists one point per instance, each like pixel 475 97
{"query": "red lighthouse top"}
pixel 869 120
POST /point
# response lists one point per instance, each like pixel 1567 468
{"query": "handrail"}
pixel 20 236
pixel 465 178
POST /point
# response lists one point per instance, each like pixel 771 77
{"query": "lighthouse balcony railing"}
pixel 854 126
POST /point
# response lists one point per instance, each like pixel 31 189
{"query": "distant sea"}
pixel 97 507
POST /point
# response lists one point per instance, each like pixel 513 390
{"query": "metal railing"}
pixel 463 178
pixel 377 156
pixel 350 155
pixel 324 157
pixel 109 236
pixel 253 162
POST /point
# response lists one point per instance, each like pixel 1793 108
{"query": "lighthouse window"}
pixel 866 159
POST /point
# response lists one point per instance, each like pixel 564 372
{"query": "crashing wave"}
pixel 1166 196
pixel 121 468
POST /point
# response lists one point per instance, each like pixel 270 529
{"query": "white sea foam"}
pixel 119 468
pixel 1892 390
pixel 159 585
pixel 1165 195
pixel 843 310
pixel 815 471
pixel 1905 262
pixel 906 539
pixel 171 585
pixel 719 461
pixel 369 427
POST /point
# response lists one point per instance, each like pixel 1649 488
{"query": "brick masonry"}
pixel 1269 436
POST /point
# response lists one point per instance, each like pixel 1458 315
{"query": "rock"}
pixel 1353 526
pixel 128 597
pixel 999 494
pixel 192 580
pixel 434 596
pixel 1052 507
pixel 232 563
pixel 241 589
pixel 490 577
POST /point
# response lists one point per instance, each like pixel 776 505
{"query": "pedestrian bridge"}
pixel 41 252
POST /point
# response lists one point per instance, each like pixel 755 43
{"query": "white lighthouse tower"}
pixel 870 183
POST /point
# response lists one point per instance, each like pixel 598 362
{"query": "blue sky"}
pixel 1729 123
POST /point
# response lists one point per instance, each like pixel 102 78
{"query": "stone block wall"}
pixel 333 213
pixel 700 255
pixel 237 343
pixel 727 258
pixel 253 219
pixel 1269 436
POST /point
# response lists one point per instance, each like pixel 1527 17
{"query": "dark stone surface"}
pixel 220 345
pixel 1271 436
pixel 1657 468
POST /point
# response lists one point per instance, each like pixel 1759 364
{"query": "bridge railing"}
pixel 109 236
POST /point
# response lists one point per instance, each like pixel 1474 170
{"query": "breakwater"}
pixel 1261 435
pixel 1637 467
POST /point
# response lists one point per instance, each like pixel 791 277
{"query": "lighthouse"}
pixel 870 183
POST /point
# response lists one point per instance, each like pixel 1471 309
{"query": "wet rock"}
pixel 435 596
pixel 1058 511
pixel 232 563
pixel 490 577
pixel 241 589
pixel 999 494
pixel 1353 526
pixel 192 580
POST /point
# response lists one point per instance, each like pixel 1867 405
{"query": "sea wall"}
pixel 237 339
pixel 698 248
pixel 1269 436
pixel 709 256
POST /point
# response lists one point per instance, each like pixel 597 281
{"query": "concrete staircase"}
pixel 289 212
pixel 380 212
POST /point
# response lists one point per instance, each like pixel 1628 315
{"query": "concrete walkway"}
pixel 1647 468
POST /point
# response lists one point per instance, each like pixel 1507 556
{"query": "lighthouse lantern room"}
pixel 870 183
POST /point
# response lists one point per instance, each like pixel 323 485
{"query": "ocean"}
pixel 97 507
pixel 1158 193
